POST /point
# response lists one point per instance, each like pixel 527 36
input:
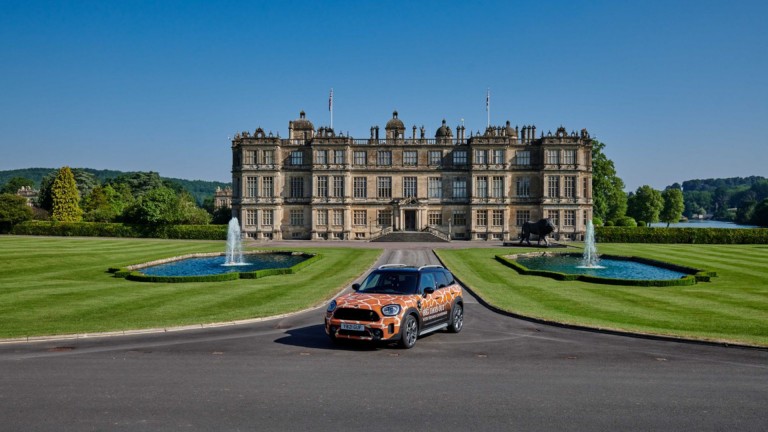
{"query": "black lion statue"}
pixel 542 228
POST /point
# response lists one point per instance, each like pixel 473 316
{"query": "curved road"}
pixel 498 374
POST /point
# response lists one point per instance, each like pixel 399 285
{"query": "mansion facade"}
pixel 320 185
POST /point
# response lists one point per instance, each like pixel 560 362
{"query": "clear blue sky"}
pixel 676 89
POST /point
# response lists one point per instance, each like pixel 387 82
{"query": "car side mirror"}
pixel 428 291
pixel 355 286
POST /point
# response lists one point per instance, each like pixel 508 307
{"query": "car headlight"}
pixel 331 306
pixel 390 310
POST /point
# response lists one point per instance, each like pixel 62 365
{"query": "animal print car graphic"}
pixel 397 303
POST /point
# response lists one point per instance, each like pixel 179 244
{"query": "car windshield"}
pixel 390 282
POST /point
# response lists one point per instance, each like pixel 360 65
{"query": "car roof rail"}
pixel 431 266
pixel 386 266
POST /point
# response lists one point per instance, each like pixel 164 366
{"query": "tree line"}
pixel 11 180
pixel 741 200
pixel 74 195
pixel 146 198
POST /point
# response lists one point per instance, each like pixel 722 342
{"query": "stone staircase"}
pixel 411 237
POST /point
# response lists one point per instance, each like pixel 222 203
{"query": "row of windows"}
pixel 267 217
pixel 267 187
pixel 384 217
pixel 410 157
pixel 253 157
pixel 565 157
pixel 569 185
pixel 485 187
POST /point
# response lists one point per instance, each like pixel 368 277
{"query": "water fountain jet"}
pixel 590 258
pixel 234 244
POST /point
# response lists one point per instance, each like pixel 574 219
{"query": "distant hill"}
pixel 709 185
pixel 717 197
pixel 200 189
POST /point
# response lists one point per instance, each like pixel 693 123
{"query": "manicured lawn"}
pixel 61 286
pixel 733 307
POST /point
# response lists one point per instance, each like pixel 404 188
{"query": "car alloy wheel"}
pixel 410 332
pixel 457 319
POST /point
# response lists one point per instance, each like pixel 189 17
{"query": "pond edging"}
pixel 132 272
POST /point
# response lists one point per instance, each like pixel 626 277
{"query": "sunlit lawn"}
pixel 733 307
pixel 60 286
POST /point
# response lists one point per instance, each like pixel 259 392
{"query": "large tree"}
pixel 645 204
pixel 760 216
pixel 157 206
pixel 188 211
pixel 608 197
pixel 746 212
pixel 85 181
pixel 13 209
pixel 673 207
pixel 105 204
pixel 139 182
pixel 15 183
pixel 44 198
pixel 65 197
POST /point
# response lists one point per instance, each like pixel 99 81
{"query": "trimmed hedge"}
pixel 684 281
pixel 265 272
pixel 681 235
pixel 100 229
pixel 141 277
pixel 137 276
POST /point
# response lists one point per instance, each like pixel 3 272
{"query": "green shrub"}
pixel 626 221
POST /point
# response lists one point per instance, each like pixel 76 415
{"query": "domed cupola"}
pixel 509 130
pixel 301 128
pixel 444 132
pixel 395 127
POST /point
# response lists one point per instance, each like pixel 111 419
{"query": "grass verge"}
pixel 51 286
pixel 733 307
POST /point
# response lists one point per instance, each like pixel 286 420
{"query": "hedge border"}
pixel 693 275
pixel 132 272
pixel 99 229
pixel 681 235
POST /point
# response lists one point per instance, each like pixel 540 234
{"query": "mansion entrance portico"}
pixel 410 215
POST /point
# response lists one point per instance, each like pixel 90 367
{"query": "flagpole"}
pixel 488 106
pixel 330 106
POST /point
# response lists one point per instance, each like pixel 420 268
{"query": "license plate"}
pixel 352 327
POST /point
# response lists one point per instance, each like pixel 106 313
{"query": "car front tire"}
pixel 457 318
pixel 409 332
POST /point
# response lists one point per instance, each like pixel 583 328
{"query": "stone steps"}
pixel 409 237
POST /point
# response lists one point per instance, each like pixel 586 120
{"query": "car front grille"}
pixel 356 314
pixel 354 333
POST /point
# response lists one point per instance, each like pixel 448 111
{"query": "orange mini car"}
pixel 398 303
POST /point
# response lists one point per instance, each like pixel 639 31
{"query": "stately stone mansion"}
pixel 317 184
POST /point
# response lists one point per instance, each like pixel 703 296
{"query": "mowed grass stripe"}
pixel 645 305
pixel 61 286
pixel 733 307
